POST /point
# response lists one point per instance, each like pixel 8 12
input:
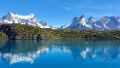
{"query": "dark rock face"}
pixel 11 33
pixel 39 37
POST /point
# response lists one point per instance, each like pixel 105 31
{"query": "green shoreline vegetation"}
pixel 25 32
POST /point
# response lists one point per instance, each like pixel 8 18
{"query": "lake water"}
pixel 60 54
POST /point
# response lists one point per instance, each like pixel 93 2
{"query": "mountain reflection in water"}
pixel 13 52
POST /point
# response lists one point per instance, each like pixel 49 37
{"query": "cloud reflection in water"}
pixel 78 49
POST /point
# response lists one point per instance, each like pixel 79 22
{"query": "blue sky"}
pixel 59 12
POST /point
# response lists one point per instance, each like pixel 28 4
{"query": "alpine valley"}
pixel 15 26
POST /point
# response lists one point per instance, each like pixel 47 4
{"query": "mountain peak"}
pixel 82 16
pixel 10 13
pixel 82 21
pixel 31 15
pixel 104 23
pixel 91 20
pixel 23 19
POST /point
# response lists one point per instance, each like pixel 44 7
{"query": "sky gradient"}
pixel 59 12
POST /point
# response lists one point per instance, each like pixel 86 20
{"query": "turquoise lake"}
pixel 60 54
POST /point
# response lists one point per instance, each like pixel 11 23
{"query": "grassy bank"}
pixel 25 32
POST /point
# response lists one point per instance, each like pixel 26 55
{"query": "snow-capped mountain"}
pixel 79 23
pixel 109 23
pixel 104 23
pixel 23 19
pixel 91 21
pixel 64 26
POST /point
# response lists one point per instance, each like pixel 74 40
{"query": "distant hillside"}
pixel 27 32
pixel 18 31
